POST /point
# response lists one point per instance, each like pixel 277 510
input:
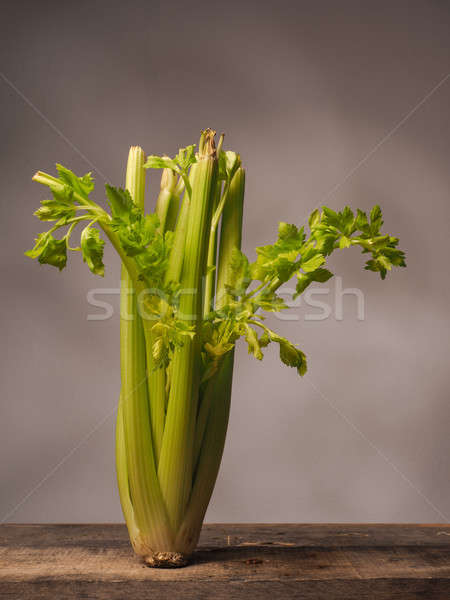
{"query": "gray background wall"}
pixel 317 97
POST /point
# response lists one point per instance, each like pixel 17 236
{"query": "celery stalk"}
pixel 166 209
pixel 123 483
pixel 148 506
pixel 210 458
pixel 175 465
pixel 230 234
pixel 230 238
pixel 176 259
pixel 210 276
pixel 212 421
pixel 168 201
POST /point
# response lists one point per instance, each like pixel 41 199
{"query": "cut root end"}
pixel 166 560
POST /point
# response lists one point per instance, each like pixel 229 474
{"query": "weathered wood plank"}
pixel 307 561
pixel 223 534
pixel 382 589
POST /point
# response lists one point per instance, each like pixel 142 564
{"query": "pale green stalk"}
pixel 175 465
pixel 206 398
pixel 176 257
pixel 210 278
pixel 168 201
pixel 210 458
pixel 166 208
pixel 148 505
pixel 230 234
pixel 157 399
pixel 122 481
pixel 212 420
pixel 131 283
pixel 230 237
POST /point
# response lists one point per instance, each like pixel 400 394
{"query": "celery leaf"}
pixel 92 250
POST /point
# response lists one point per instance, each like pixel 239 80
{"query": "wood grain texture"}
pixel 233 561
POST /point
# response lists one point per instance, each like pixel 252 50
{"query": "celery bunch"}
pixel 187 295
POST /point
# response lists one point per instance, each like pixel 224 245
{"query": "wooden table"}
pixel 233 561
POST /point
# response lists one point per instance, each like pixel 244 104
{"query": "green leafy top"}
pixel 252 287
pixel 294 254
pixel 136 233
pixel 69 206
